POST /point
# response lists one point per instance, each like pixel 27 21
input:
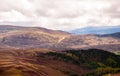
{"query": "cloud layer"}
pixel 60 14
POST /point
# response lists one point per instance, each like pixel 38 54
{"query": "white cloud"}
pixel 60 14
pixel 13 15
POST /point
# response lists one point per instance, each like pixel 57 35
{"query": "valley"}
pixel 59 38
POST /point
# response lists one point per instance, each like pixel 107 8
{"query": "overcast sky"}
pixel 60 14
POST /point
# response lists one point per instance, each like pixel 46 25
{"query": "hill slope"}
pixel 67 63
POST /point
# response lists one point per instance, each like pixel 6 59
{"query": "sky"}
pixel 60 14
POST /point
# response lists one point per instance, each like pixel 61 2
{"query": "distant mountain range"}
pixel 96 30
pixel 14 37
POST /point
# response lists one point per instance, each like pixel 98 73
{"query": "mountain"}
pixel 97 30
pixel 14 37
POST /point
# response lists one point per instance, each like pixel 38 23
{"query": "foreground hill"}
pixel 92 62
pixel 14 37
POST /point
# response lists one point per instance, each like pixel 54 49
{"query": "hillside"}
pixel 66 63
pixel 14 37
pixel 91 41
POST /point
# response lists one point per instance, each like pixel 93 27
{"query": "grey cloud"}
pixel 114 10
pixel 56 9
pixel 19 23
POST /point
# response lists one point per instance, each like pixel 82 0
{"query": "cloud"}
pixel 60 14
pixel 114 11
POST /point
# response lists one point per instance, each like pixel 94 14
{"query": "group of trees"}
pixel 92 58
pixel 103 72
pixel 102 62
